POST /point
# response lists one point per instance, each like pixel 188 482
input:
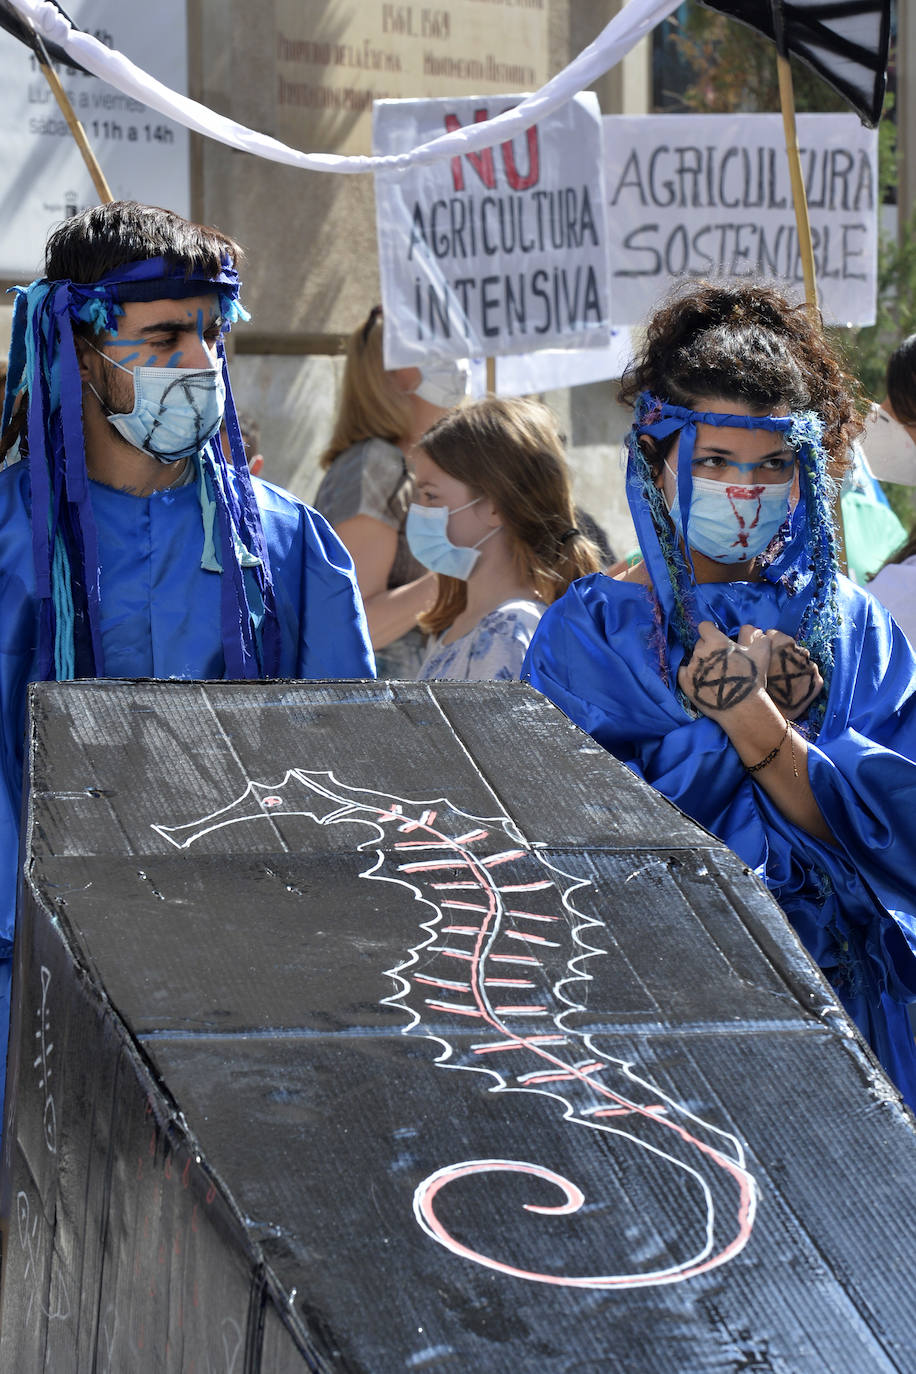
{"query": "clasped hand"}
pixel 723 673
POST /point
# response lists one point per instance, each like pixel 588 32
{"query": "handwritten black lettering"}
pixel 738 177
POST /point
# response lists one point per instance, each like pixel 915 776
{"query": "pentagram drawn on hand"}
pixel 794 682
pixel 723 678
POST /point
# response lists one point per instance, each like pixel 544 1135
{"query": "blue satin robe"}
pixel 595 654
pixel 161 619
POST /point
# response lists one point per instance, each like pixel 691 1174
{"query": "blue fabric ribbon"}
pixel 803 553
pixel 44 362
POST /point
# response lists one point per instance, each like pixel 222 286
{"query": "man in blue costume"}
pixel 131 546
pixel 734 668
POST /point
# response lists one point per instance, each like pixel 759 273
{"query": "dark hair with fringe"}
pixel 89 246
pixel 510 451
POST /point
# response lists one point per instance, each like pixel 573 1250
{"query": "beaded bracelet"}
pixel 756 767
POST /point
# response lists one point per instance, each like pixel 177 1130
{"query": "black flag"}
pixel 13 22
pixel 845 41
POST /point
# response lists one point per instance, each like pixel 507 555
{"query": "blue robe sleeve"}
pixel 595 655
pixel 335 637
pixel 323 622
pixel 852 903
pixel 17 652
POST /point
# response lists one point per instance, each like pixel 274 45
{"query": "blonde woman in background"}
pixel 494 519
pixel 367 488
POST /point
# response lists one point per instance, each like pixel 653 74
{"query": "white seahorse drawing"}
pixel 502 949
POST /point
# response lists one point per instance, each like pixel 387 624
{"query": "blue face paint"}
pixel 784 464
pixel 124 343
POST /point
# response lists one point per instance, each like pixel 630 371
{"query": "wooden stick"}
pixel 75 127
pixel 800 201
pixel 799 198
pixel 491 376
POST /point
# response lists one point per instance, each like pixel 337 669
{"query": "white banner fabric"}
pixel 143 155
pixel 530 374
pixel 693 196
pixel 496 252
pixel 633 22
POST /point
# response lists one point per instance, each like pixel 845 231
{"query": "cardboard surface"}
pixel 332 997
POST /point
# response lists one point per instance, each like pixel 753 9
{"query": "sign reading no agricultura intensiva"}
pixel 495 252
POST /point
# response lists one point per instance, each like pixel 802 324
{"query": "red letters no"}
pixel 515 180
pixel 481 162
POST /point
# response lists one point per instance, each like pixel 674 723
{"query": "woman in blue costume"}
pixel 734 668
pixel 131 546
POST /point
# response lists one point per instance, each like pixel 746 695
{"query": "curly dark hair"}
pixel 746 343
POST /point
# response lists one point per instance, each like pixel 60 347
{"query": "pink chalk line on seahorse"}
pixel 463 994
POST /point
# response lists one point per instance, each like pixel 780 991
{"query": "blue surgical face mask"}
pixel 176 409
pixel 427 537
pixel 731 523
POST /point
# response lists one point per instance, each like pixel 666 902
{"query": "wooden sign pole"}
pixel 75 127
pixel 799 198
pixel 800 201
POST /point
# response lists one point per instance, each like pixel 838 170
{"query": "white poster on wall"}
pixel 498 252
pixel 708 196
pixel 143 155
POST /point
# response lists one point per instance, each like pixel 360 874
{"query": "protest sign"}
pixel 144 155
pixel 708 196
pixel 501 251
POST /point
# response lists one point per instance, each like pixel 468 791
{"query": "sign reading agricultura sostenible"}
pixel 709 196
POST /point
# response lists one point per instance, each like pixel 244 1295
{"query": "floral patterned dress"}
pixel 492 651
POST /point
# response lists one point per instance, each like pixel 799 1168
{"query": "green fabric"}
pixel 871 533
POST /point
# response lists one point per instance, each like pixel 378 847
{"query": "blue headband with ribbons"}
pixel 803 553
pixel 43 361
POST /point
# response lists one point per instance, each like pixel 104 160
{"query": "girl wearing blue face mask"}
pixel 493 518
pixel 734 668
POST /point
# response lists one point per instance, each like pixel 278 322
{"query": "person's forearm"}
pixel 393 612
pixel 756 729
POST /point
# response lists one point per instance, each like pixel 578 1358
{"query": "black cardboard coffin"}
pixel 383 1027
